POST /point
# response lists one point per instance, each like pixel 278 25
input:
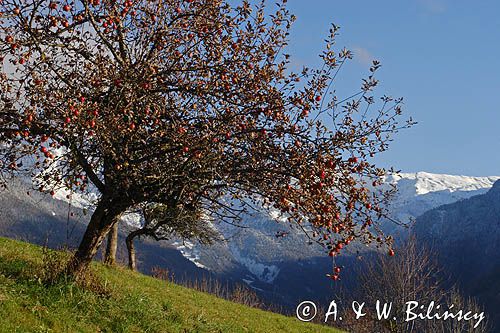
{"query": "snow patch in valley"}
pixel 190 252
pixel 249 282
pixel 265 273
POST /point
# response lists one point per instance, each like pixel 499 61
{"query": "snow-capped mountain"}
pixel 421 191
pixel 256 256
pixel 465 238
pixel 258 253
pixel 466 233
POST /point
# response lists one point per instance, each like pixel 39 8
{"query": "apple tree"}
pixel 188 104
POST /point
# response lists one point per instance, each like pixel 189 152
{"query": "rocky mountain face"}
pixel 291 266
pixel 466 233
pixel 465 236
pixel 261 253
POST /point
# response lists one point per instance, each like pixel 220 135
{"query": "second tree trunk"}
pixel 112 244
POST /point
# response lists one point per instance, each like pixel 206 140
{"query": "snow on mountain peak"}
pixel 422 191
pixel 424 182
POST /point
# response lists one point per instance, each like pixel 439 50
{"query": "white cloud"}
pixel 362 55
pixel 433 6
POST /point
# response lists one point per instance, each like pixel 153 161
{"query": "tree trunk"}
pixel 102 220
pixel 112 244
pixel 132 264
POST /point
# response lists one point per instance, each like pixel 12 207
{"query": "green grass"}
pixel 133 302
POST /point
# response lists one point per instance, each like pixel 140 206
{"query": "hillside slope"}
pixel 466 233
pixel 465 236
pixel 134 303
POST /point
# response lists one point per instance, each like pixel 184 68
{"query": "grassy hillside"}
pixel 129 302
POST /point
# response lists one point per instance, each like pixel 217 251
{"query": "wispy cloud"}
pixel 433 6
pixel 362 55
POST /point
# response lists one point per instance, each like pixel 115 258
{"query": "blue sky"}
pixel 442 56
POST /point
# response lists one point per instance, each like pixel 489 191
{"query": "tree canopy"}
pixel 187 103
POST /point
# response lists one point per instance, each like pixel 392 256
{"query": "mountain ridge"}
pixel 257 257
pixel 465 238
